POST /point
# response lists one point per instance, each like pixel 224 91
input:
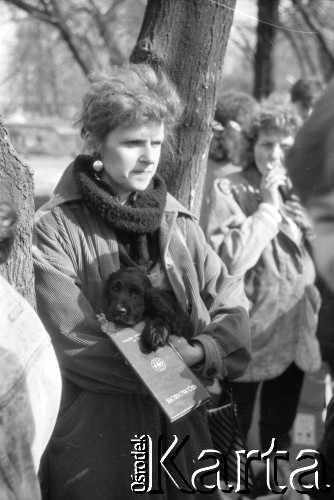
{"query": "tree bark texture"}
pixel 187 39
pixel 16 181
pixel 266 31
pixel 320 30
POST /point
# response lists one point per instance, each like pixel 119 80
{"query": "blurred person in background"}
pixel 30 382
pixel 228 148
pixel 259 229
pixel 314 147
pixel 304 93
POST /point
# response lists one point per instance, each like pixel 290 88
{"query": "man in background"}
pixel 310 162
pixel 304 93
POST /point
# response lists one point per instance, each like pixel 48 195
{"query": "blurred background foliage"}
pixel 53 45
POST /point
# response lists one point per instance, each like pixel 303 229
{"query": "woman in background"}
pixel 228 149
pixel 260 230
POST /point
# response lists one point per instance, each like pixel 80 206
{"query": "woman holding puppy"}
pixel 111 209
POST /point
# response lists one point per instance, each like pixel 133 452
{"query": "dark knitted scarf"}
pixel 135 223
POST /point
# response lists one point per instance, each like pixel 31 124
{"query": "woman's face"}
pixel 270 149
pixel 130 156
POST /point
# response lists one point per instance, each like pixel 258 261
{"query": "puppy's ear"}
pixel 158 304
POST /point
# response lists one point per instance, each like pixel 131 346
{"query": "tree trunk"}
pixel 263 63
pixel 16 180
pixel 188 38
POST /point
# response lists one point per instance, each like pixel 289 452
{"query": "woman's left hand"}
pixel 190 353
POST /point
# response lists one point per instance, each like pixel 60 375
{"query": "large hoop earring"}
pixel 98 165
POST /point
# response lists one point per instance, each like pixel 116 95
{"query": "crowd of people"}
pixel 246 274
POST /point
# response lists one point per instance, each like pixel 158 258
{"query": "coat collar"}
pixel 68 190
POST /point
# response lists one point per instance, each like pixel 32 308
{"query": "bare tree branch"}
pixel 103 23
pixel 311 21
pixel 53 14
pixel 42 15
pixel 94 36
pixel 243 42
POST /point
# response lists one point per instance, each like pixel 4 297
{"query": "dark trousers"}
pixel 279 399
pixel 91 455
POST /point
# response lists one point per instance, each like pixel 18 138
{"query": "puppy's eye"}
pixel 115 288
pixel 135 291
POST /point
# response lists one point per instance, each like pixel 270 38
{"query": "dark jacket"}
pixel 75 251
pixel 104 405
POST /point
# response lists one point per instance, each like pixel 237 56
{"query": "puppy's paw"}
pixel 155 334
pixel 101 318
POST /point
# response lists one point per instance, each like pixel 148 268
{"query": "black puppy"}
pixel 129 297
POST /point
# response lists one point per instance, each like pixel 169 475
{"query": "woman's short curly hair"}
pixel 274 115
pixel 237 107
pixel 129 94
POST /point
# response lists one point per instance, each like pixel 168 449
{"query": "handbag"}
pixel 227 438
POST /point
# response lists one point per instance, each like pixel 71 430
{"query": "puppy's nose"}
pixel 121 310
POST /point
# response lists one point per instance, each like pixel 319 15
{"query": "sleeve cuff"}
pixel 213 366
pixel 271 213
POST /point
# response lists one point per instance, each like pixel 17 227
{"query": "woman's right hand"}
pixel 269 185
pixel 190 353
